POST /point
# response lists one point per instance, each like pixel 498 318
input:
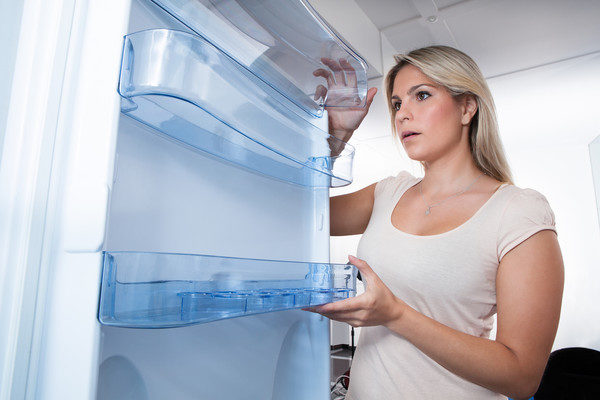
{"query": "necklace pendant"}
pixel 428 211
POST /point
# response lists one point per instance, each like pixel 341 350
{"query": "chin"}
pixel 424 153
pixel 416 155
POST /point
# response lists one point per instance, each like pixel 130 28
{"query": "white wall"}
pixel 548 116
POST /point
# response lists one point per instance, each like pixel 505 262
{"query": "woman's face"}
pixel 429 121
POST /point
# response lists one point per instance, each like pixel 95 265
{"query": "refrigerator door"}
pixel 71 51
pixel 119 185
pixel 33 68
pixel 174 194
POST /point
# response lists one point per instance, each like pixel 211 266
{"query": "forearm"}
pixel 484 362
pixel 528 297
pixel 337 141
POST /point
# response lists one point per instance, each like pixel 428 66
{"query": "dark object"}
pixel 358 276
pixel 571 374
pixel 346 379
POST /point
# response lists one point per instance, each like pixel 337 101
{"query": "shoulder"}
pixel 393 183
pixel 526 212
pixel 529 204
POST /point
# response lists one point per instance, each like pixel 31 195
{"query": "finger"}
pixel 342 317
pixel 339 317
pixel 325 74
pixel 337 70
pixel 370 96
pixel 352 304
pixel 352 318
pixel 369 99
pixel 349 71
pixel 310 309
pixel 320 92
pixel 365 270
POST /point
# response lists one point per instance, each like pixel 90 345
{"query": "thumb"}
pixel 364 268
pixel 370 96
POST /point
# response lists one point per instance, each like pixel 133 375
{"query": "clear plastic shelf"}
pixel 183 86
pixel 162 290
pixel 281 42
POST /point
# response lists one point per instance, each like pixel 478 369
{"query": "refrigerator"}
pixel 186 217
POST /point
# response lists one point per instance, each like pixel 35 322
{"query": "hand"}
pixel 342 89
pixel 376 306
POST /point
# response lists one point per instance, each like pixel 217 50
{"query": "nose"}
pixel 403 114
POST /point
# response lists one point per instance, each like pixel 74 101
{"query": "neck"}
pixel 449 174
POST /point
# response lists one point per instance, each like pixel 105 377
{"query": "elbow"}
pixel 524 393
pixel 524 387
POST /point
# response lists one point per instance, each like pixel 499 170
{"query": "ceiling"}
pixel 503 36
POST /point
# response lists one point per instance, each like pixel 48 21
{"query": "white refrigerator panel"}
pixel 169 197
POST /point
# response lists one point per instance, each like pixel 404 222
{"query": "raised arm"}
pixel 341 82
pixel 350 213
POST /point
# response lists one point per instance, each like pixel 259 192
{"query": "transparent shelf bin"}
pixel 282 42
pixel 184 87
pixel 162 290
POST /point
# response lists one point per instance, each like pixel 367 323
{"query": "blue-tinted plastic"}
pixel 282 42
pixel 162 290
pixel 182 86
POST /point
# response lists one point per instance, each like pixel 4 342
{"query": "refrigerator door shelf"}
pixel 282 43
pixel 184 87
pixel 163 290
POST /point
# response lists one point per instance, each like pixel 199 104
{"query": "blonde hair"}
pixel 458 73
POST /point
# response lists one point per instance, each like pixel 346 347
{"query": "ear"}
pixel 469 108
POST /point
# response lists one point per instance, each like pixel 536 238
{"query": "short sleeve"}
pixel 392 183
pixel 526 213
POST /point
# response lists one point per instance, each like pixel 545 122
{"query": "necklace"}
pixel 430 206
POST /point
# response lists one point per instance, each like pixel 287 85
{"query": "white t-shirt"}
pixel 450 277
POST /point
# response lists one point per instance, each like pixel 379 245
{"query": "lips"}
pixel 407 134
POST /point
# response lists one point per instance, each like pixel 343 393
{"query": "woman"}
pixel 441 255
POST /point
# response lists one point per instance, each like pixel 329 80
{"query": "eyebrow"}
pixel 412 89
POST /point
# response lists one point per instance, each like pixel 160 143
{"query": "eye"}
pixel 396 105
pixel 422 95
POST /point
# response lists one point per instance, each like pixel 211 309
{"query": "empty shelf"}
pixel 184 87
pixel 281 42
pixel 162 290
